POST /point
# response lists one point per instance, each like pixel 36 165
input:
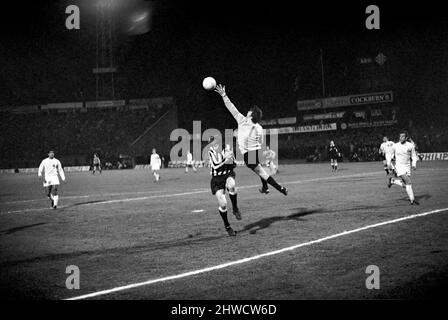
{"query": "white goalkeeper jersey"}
pixel 51 168
pixel 250 135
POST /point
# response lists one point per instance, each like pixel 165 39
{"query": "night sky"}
pixel 260 50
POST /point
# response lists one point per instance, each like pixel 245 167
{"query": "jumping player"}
pixel 51 168
pixel 155 164
pixel 222 164
pixel 250 138
pixel 405 159
pixel 386 153
pixel 96 163
pixel 190 162
pixel 333 153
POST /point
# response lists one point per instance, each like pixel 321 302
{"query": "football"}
pixel 209 83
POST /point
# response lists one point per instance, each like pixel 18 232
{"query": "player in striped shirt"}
pixel 250 139
pixel 223 178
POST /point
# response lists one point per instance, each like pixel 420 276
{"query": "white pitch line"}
pixel 159 191
pixel 256 257
pixel 199 191
pixel 319 179
pixel 41 199
pixel 192 192
pixel 113 201
pixel 84 196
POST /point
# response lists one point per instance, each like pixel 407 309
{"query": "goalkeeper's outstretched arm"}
pixel 229 105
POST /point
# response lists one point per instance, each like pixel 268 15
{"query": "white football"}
pixel 209 83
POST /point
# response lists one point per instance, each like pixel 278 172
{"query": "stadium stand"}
pixel 73 134
pixel 358 144
pixel 117 133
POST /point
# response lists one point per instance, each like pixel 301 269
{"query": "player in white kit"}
pixel 250 139
pixel 386 152
pixel 405 160
pixel 155 164
pixel 270 158
pixel 51 168
pixel 190 162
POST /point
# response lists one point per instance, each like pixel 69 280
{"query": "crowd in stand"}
pixel 358 144
pixel 27 137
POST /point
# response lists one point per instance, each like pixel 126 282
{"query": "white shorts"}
pixel 388 157
pixel 155 168
pixel 403 170
pixel 51 181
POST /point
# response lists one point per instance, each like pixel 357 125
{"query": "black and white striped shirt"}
pixel 218 164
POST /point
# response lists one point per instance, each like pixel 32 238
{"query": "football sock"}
pixel 265 184
pixel 410 192
pixel 274 183
pixel 55 200
pixel 224 217
pixel 233 198
pixel 397 182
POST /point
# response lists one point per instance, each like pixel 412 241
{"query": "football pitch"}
pixel 134 239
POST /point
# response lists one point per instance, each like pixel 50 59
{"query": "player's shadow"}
pixel 418 198
pixel 14 230
pixel 81 204
pixel 6 194
pixel 267 222
pixel 127 250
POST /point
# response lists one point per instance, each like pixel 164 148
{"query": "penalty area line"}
pixel 252 258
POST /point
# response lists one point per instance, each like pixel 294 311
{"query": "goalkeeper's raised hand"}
pixel 221 90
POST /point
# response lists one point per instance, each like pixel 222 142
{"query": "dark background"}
pixel 266 52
